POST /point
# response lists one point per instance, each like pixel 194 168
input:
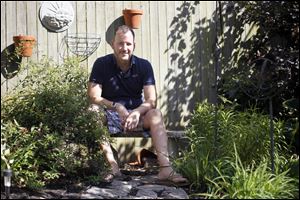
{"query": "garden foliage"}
pixel 219 137
pixel 46 125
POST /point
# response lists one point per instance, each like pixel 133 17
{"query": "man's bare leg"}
pixel 105 146
pixel 153 120
pixel 109 156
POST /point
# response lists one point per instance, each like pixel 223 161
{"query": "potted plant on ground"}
pixel 24 44
pixel 132 17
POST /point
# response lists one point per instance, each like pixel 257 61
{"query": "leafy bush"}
pixel 47 125
pixel 209 149
pixel 254 182
pixel 276 40
pixel 272 51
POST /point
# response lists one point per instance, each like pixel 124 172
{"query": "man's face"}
pixel 123 45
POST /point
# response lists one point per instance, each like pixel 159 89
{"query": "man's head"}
pixel 123 43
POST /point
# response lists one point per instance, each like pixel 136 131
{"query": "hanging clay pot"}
pixel 24 44
pixel 132 17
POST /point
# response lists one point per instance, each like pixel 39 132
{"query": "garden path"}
pixel 131 186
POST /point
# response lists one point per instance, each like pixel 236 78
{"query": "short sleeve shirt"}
pixel 122 87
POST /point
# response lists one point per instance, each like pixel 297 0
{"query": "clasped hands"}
pixel 129 120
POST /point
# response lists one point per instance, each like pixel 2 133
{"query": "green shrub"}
pixel 47 125
pixel 249 130
pixel 253 182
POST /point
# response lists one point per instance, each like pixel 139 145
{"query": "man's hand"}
pixel 123 112
pixel 132 120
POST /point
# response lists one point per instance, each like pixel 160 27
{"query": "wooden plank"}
pixel 145 36
pixel 73 28
pixel 91 29
pixel 184 84
pixel 196 72
pixel 127 4
pixel 3 25
pixel 101 27
pixel 3 44
pixel 187 88
pixel 211 41
pixel 138 32
pixel 64 50
pixel 228 44
pixel 174 76
pixel 169 84
pixel 59 40
pixel 109 19
pixel 82 21
pixel 118 9
pixel 11 20
pixel 204 58
pixel 42 50
pixel 32 20
pixel 52 46
pixel 11 24
pixel 118 14
pixel 154 38
pixel 21 18
pixel 22 28
pixel 163 46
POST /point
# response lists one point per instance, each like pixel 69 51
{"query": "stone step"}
pixel 127 147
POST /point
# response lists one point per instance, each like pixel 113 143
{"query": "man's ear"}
pixel 112 42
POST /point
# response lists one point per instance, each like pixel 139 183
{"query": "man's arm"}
pixel 150 100
pixel 94 93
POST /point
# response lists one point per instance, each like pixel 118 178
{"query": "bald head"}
pixel 123 30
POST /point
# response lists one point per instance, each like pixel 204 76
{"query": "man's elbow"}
pixel 153 104
pixel 92 98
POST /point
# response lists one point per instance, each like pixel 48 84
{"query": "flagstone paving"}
pixel 128 187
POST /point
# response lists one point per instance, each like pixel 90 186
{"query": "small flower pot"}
pixel 132 17
pixel 24 44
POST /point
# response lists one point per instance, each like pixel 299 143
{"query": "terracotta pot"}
pixel 24 44
pixel 132 17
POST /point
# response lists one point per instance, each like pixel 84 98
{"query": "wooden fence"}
pixel 177 37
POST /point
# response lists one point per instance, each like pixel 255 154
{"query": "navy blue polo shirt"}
pixel 122 87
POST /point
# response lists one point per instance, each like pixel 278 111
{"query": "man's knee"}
pixel 154 113
pixel 153 118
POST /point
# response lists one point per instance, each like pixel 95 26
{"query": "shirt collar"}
pixel 132 61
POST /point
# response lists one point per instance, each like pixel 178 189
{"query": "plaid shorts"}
pixel 114 124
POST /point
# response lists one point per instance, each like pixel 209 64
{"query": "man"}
pixel 116 83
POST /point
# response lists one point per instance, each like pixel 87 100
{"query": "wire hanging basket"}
pixel 82 44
